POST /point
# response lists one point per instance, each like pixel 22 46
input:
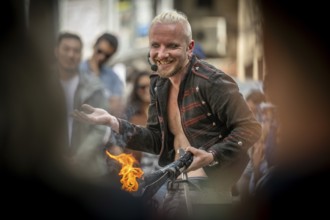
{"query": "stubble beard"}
pixel 174 72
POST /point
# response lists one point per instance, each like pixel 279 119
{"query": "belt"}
pixel 201 191
pixel 194 183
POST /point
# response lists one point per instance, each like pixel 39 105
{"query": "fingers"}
pixel 81 116
pixel 87 108
pixel 201 158
pixel 193 164
pixel 191 149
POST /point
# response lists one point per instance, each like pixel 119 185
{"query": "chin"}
pixel 167 74
pixel 163 74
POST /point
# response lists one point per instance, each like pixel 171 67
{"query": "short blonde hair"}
pixel 173 17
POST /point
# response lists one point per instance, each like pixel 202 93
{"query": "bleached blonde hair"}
pixel 173 17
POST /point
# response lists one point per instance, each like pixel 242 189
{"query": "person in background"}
pixel 297 51
pixel 260 153
pixel 137 113
pixel 35 178
pixel 254 99
pixel 86 142
pixel 256 165
pixel 104 48
pixel 194 107
pixel 198 51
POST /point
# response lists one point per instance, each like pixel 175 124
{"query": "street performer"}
pixel 195 107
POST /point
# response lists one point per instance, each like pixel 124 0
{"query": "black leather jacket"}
pixel 214 116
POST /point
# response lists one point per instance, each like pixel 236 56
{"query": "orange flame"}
pixel 128 172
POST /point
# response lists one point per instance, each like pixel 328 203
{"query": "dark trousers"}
pixel 200 202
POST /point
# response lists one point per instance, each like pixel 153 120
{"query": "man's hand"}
pixel 97 116
pixel 201 158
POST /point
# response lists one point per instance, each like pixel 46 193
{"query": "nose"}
pixel 162 53
pixel 102 57
pixel 71 53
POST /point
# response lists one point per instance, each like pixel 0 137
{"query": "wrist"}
pixel 215 160
pixel 114 124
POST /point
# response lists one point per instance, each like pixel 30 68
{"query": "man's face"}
pixel 68 54
pixel 102 52
pixel 169 48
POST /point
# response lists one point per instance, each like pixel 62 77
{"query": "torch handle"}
pixel 155 180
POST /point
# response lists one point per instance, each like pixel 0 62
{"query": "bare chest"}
pixel 174 120
pixel 174 112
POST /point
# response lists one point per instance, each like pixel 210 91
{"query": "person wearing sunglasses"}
pixel 104 48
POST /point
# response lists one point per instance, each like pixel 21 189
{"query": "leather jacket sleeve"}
pixel 231 109
pixel 147 139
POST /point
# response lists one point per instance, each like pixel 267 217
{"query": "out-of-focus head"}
pixel 68 51
pixel 297 49
pixel 198 51
pixel 105 47
pixel 255 98
pixel 296 52
pixel 141 87
pixel 32 115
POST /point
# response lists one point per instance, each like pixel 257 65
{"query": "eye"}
pixel 154 45
pixel 76 50
pixel 173 46
pixel 65 49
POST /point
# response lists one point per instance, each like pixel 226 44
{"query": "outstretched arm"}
pixel 89 114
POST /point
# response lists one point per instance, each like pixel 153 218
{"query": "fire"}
pixel 128 172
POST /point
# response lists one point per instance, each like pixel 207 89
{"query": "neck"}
pixel 67 74
pixel 178 76
pixel 145 106
pixel 94 66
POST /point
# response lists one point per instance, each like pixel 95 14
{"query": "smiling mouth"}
pixel 164 62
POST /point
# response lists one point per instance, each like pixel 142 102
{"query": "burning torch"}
pixel 151 183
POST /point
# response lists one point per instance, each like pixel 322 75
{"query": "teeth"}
pixel 163 62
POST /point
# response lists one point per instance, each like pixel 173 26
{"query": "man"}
pixel 194 107
pixel 105 47
pixel 86 141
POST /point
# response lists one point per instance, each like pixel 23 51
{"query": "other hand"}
pixel 91 115
pixel 201 158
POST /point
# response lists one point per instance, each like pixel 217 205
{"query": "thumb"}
pixel 87 108
pixel 191 149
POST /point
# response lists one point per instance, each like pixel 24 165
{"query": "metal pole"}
pixel 186 187
pixel 186 193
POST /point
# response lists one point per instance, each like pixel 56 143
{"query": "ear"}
pixel 190 48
